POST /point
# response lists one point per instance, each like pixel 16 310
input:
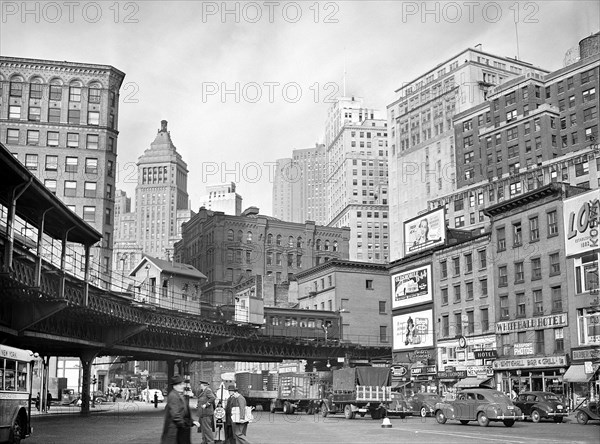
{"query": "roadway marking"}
pixel 501 438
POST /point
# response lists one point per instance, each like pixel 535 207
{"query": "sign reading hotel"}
pixel 548 361
pixel 551 321
pixel 412 287
pixel 581 216
pixel 413 330
pixel 425 231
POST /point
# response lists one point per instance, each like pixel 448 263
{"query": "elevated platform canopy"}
pixel 36 199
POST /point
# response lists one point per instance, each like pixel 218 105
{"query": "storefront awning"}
pixel 576 373
pixel 475 383
pixel 399 385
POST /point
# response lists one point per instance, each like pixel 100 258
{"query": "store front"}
pixel 583 376
pixel 415 372
pixel 531 374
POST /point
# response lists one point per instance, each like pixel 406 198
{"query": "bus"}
pixel 16 372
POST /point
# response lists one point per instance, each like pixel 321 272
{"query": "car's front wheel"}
pixel 509 422
pixel 483 420
pixel 535 416
pixel 440 417
pixel 582 417
pixel 423 412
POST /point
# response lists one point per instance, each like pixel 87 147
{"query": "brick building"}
pixel 61 120
pixel 229 249
pixel 358 290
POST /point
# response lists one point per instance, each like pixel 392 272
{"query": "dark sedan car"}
pixel 540 405
pixel 423 404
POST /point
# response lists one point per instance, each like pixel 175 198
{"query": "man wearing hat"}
pixel 178 420
pixel 206 410
pixel 237 430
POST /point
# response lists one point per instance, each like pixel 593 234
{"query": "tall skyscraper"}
pixel 161 198
pixel 282 190
pixel 422 146
pixel 357 179
pixel 61 120
pixel 223 198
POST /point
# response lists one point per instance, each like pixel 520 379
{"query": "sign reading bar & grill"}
pixel 549 361
pixel 552 321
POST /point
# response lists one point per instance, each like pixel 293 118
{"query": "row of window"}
pixel 71 164
pixel 74 116
pixel 468 261
pixel 536 270
pixel 70 188
pixel 534 231
pixel 92 141
pixel 55 91
pixel 460 327
pixel 506 341
pixel 469 294
pixel 536 303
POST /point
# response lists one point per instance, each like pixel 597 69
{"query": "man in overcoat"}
pixel 237 429
pixel 206 410
pixel 178 419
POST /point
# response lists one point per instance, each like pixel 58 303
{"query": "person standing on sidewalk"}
pixel 206 410
pixel 239 425
pixel 178 420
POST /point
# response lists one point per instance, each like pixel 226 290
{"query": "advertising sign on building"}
pixel 425 231
pixel 524 348
pixel 412 330
pixel 548 361
pixel 480 370
pixel 412 287
pixel 581 216
pixel 551 321
pixel 485 354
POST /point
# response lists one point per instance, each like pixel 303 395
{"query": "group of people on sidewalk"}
pixel 178 417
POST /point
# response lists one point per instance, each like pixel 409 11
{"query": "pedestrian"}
pixel 155 399
pixel 48 400
pixel 37 401
pixel 178 420
pixel 238 425
pixel 206 410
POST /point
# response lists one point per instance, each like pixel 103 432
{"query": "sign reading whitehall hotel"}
pixel 552 321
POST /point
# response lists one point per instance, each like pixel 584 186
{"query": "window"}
pixel 16 89
pixel 109 168
pixel 534 230
pixel 369 284
pixel 556 299
pixel 93 118
pixel 71 164
pixel 482 259
pixel 536 268
pixel 457 293
pixel 502 276
pixel 445 326
pixel 538 302
pixel 383 333
pixel 520 305
pixel 501 238
pixel 51 163
pixel 72 140
pixel 12 136
pixel 589 94
pixel 469 262
pixel 107 216
pixel 588 326
pixel 456 266
pixel 504 307
pixel 50 184
pixel 55 92
pixel 459 221
pixel 582 168
pixel 70 188
pixel 94 95
pixel 34 113
pixel 519 272
pixel 52 138
pixel 559 346
pixel 89 189
pixel 586 273
pixel 74 94
pixel 483 284
pixel 517 234
pixel 554 264
pixel 278 259
pixel 14 112
pixel 539 342
pixel 552 223
pixel 31 161
pixel 269 257
pixel 459 204
pixel 458 323
pixel 469 286
pixel 91 165
pixel 485 319
pixel 54 115
pixel 89 214
pixel 470 321
pixel 382 307
pixel 444 295
pixel 92 142
pixel 33 137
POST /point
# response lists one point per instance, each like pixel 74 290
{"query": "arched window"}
pixel 291 242
pixel 318 244
pixel 335 246
pixel 299 242
pixel 269 239
pixel 249 237
pixel 327 245
pixel 279 239
pixel 230 235
pixel 240 235
pixel 16 86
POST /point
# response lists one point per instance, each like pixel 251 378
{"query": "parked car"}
pixel 540 405
pixel 481 405
pixel 148 395
pixel 99 397
pixel 423 404
pixel 68 397
pixel 591 411
pixel 399 406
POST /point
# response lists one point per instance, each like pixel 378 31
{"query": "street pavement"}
pixel 140 423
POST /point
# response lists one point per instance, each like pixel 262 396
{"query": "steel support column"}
pixel 87 357
pixel 40 238
pixel 10 225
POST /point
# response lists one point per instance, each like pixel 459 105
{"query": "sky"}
pixel 244 83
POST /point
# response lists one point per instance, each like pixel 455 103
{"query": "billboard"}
pixel 425 231
pixel 413 330
pixel 412 287
pixel 581 215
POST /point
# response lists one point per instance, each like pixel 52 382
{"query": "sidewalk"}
pixel 102 408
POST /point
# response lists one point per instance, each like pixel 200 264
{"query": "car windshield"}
pixel 499 396
pixel 432 397
pixel 551 398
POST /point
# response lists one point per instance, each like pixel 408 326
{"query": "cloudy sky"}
pixel 281 62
